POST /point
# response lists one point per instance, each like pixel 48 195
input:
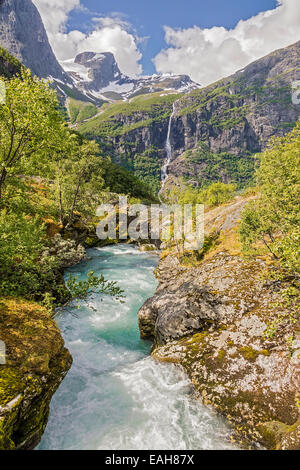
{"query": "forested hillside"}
pixel 216 131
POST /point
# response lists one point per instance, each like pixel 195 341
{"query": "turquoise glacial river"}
pixel 116 396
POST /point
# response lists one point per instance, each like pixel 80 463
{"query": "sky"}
pixel 206 39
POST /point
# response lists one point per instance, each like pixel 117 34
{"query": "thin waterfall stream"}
pixel 168 148
pixel 116 396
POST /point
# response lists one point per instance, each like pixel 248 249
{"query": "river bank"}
pixel 214 318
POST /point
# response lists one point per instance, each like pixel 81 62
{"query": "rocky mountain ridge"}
pixel 98 76
pixel 90 77
pixel 216 131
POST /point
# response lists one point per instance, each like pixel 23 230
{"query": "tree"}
pixel 30 125
pixel 274 218
pixel 78 181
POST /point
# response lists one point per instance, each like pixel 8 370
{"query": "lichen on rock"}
pixel 212 319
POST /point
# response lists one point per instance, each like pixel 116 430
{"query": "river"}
pixel 116 396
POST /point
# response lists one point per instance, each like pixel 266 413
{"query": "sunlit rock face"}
pixel 102 68
pixel 23 34
pixel 214 320
pixel 99 77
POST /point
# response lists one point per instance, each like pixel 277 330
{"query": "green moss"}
pixel 252 354
pixel 11 384
pixel 221 354
pixel 274 431
pixel 36 361
pixel 145 166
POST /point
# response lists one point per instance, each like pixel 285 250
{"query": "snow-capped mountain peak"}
pixel 98 76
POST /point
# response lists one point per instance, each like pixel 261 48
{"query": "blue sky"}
pixel 205 39
pixel 149 17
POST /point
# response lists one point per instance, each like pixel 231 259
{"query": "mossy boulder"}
pixel 212 319
pixel 35 364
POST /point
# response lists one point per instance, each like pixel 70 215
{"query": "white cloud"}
pixel 210 54
pixel 109 35
pixel 55 13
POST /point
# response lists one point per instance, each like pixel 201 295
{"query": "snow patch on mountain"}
pixel 98 76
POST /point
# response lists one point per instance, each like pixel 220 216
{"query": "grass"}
pixel 80 111
pixel 122 117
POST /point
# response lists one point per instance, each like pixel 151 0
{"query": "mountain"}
pixel 98 77
pixel 215 132
pixel 90 77
pixel 23 34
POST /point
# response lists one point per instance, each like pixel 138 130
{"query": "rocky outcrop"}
pixel 98 76
pixel 36 362
pixel 215 320
pixel 23 34
pixel 102 68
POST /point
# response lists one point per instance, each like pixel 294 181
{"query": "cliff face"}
pixel 102 68
pixel 36 363
pixel 237 115
pixel 213 319
pixel 216 131
pixel 23 34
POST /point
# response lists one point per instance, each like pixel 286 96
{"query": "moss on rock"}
pixel 36 363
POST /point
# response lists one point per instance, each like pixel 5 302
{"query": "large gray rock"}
pixel 216 319
pixel 102 68
pixel 23 34
pixel 212 320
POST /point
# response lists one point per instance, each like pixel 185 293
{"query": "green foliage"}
pixel 45 169
pixel 120 118
pixel 217 194
pixel 145 166
pixel 78 183
pixel 121 181
pixel 274 218
pixel 80 111
pixel 9 65
pixel 30 123
pixel 238 169
pixel 22 271
pixel 212 196
pixel 80 290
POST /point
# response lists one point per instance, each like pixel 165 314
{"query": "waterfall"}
pixel 168 147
